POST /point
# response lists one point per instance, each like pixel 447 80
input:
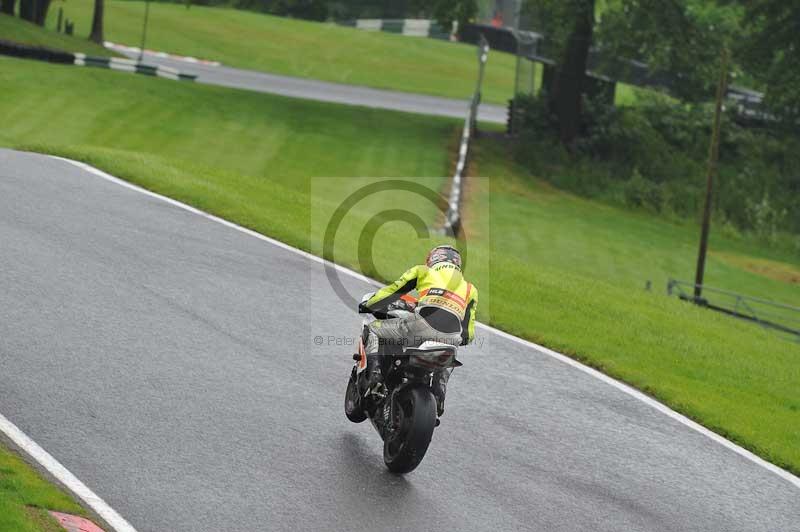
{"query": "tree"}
pixel 97 22
pixel 566 94
pixel 40 11
pixel 682 37
pixel 770 52
pixel 445 12
pixel 305 9
pixel 31 10
pixel 27 10
pixel 394 9
pixel 7 6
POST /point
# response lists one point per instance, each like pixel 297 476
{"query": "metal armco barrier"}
pixel 408 27
pixel 129 65
pixel 452 221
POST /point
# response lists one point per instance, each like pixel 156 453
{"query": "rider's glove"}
pixel 362 307
pixel 402 304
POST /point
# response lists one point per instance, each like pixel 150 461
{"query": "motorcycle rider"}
pixel 445 312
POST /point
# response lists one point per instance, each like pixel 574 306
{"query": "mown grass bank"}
pixel 570 273
pixel 25 498
pixel 243 132
pixel 564 271
pixel 299 48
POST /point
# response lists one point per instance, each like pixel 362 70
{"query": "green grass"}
pixel 560 270
pixel 572 276
pixel 239 131
pixel 304 49
pixel 25 496
pixel 620 246
pixel 21 31
pixel 292 47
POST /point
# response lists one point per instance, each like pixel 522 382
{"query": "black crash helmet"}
pixel 444 254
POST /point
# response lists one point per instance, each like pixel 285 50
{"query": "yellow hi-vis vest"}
pixel 442 286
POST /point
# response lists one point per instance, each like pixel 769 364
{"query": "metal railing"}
pixel 778 317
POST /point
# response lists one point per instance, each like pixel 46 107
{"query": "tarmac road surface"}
pixel 170 363
pixel 329 92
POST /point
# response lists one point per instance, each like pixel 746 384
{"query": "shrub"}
pixel 641 192
pixel 765 217
pixel 654 157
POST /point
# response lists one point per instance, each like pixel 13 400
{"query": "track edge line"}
pixel 64 476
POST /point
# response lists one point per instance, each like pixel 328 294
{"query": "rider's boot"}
pixel 375 385
pixel 440 378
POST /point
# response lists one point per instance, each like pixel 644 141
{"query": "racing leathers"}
pixel 445 312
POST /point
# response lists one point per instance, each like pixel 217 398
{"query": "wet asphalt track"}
pixel 331 92
pixel 169 362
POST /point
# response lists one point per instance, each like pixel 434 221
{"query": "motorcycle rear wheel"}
pixel 405 447
pixel 352 400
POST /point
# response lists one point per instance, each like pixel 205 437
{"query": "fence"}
pixel 784 319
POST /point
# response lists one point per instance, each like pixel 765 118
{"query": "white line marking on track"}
pixel 63 475
pixel 636 394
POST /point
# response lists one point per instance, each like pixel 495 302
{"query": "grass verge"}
pixel 566 272
pixel 25 498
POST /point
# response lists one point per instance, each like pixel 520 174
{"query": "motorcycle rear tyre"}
pixel 404 450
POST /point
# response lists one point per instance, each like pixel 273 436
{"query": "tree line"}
pixel 685 38
pixel 650 155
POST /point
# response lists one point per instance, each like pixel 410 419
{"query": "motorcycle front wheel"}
pixel 415 418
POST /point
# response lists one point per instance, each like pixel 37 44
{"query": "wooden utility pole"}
pixel 144 28
pixel 713 168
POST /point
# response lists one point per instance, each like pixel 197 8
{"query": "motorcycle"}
pixel 405 414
